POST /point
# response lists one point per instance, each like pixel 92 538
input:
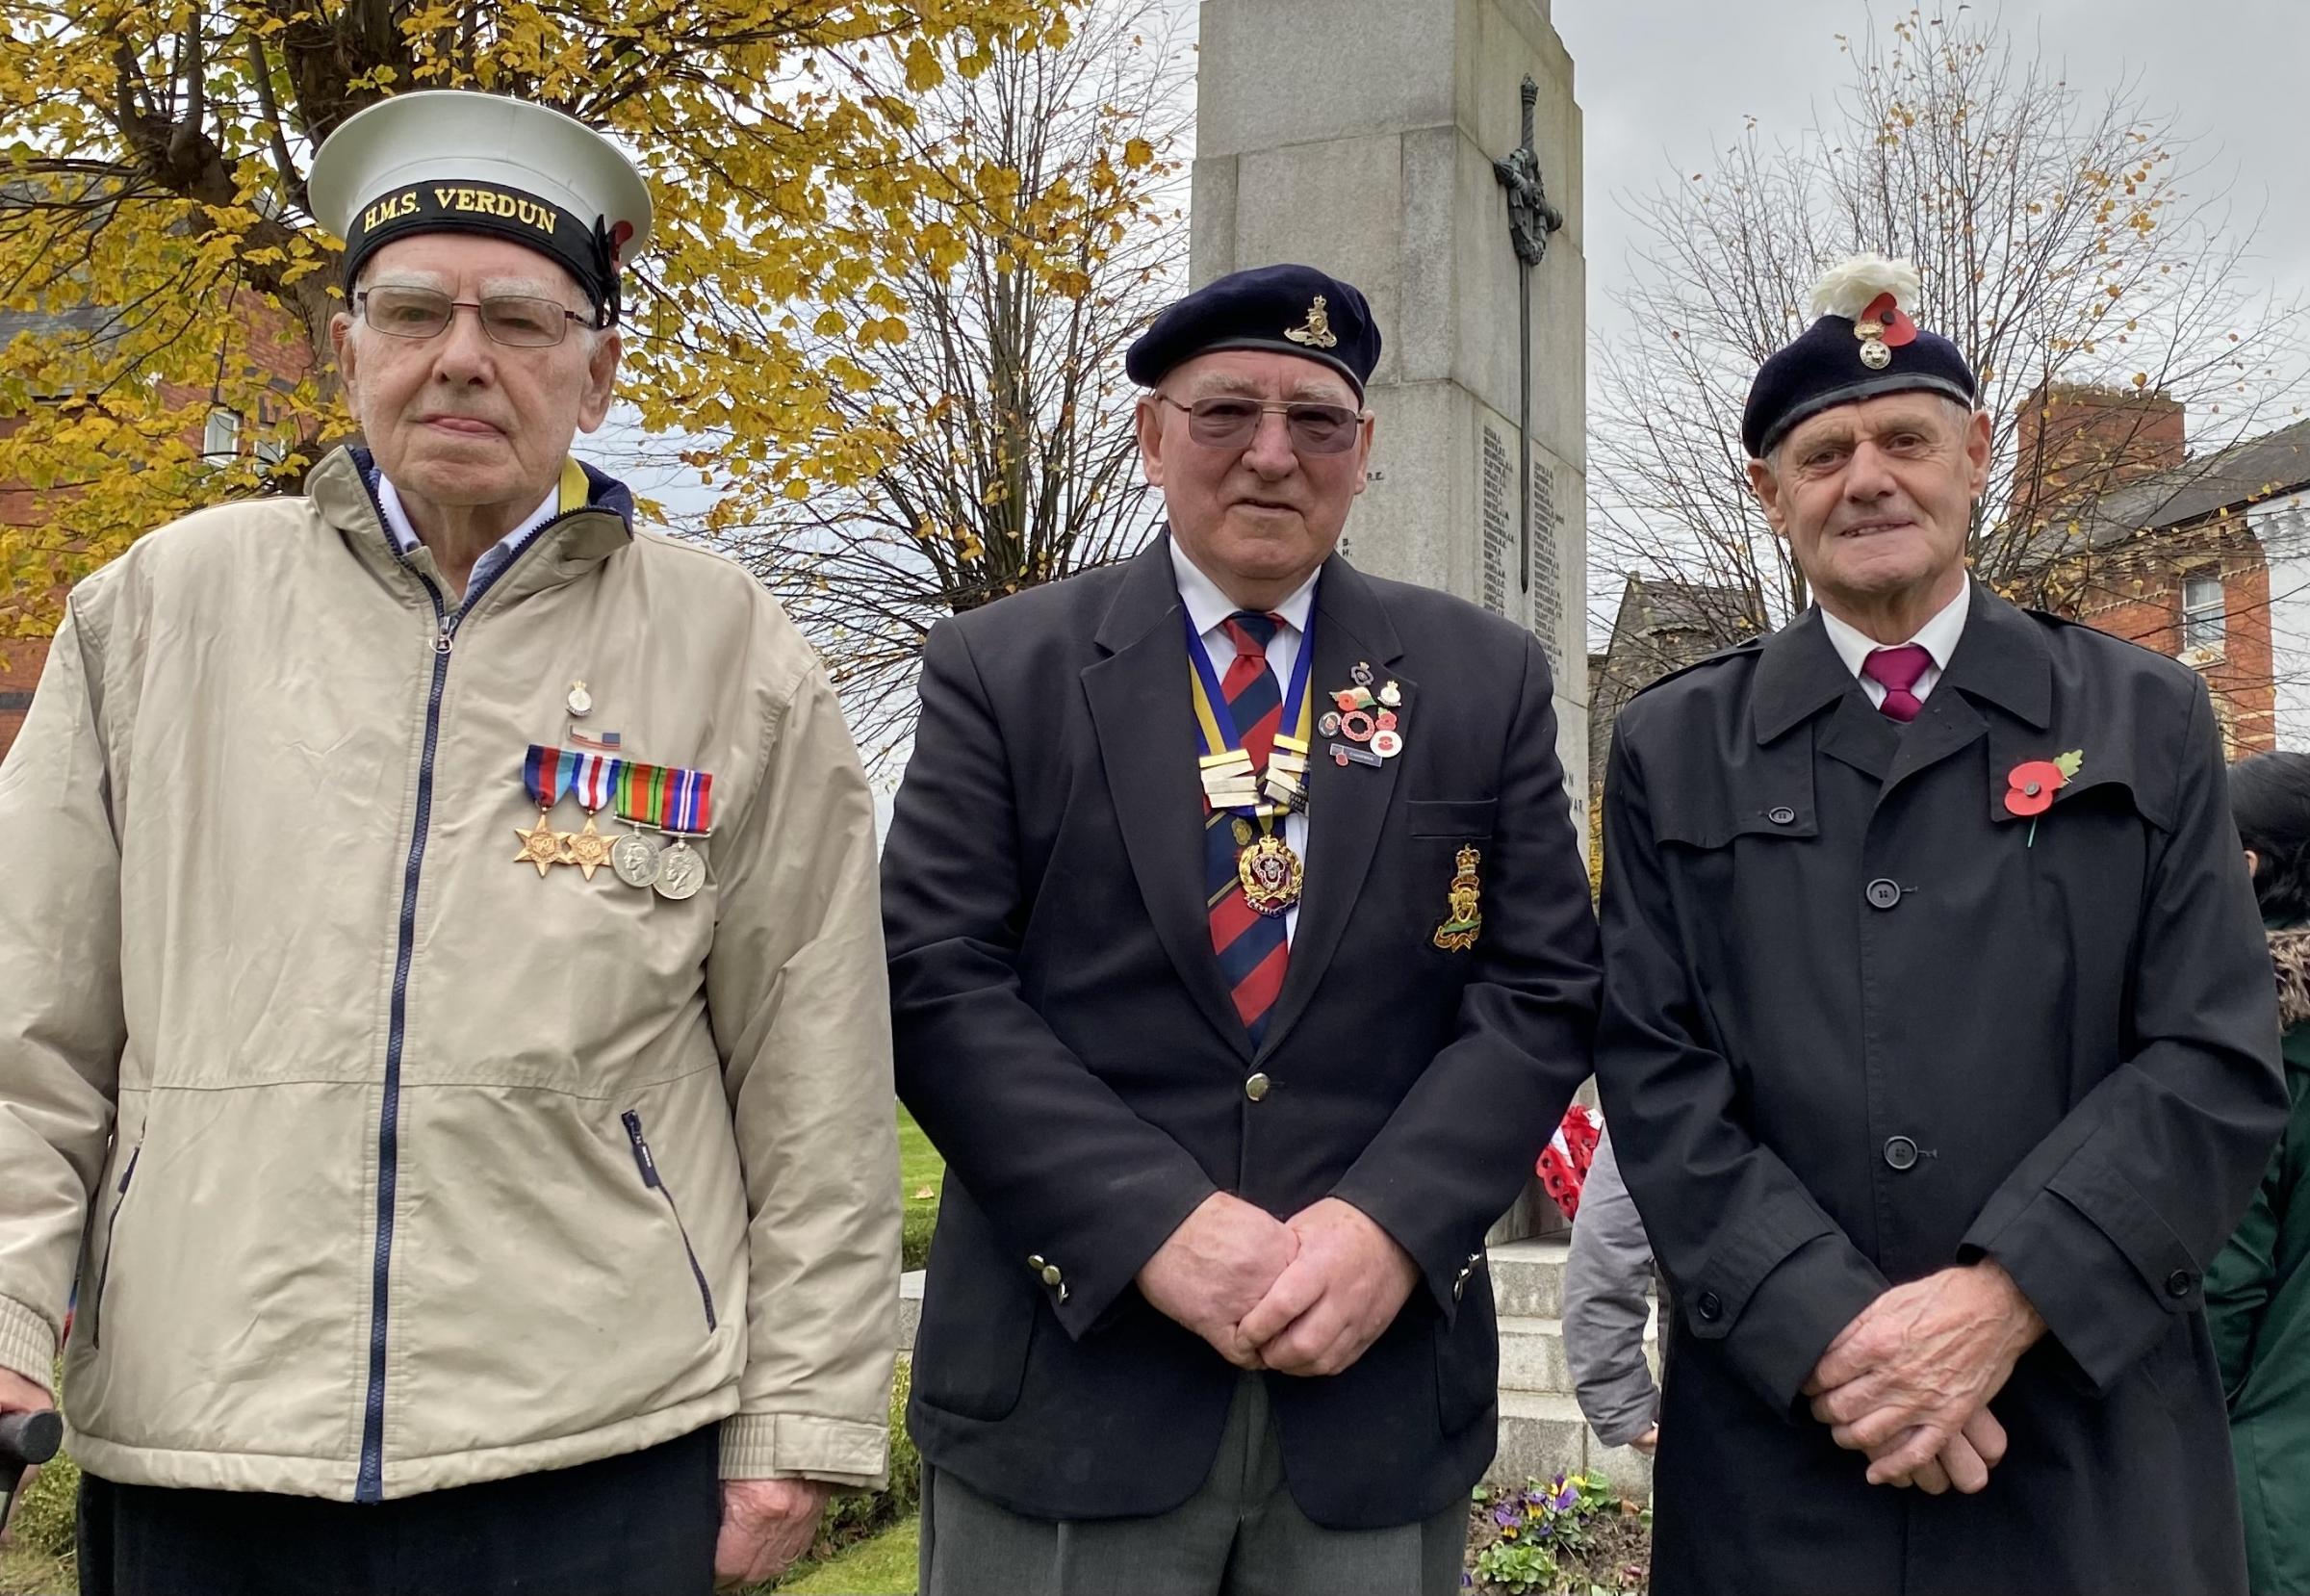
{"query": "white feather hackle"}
pixel 1849 287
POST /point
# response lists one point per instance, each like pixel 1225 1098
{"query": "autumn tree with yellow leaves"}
pixel 2069 246
pixel 154 220
pixel 1002 421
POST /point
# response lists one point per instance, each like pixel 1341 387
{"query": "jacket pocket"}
pixel 656 1183
pixel 980 1315
pixel 1468 1359
pixel 1468 818
pixel 104 1271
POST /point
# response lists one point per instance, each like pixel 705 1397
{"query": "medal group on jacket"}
pixel 667 800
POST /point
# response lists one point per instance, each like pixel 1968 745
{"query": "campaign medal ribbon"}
pixel 546 773
pixel 595 783
pixel 636 794
pixel 1270 874
pixel 684 810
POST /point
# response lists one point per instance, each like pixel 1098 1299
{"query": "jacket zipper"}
pixel 651 1179
pixel 368 1485
pixel 104 1274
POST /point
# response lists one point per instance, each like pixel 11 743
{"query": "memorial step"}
pixel 1528 1276
pixel 1544 1435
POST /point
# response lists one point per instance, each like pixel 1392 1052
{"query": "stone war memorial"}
pixel 1428 152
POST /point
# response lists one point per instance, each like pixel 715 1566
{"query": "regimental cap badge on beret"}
pixel 1869 291
pixel 1289 309
pixel 459 161
pixel 1316 331
pixel 1864 343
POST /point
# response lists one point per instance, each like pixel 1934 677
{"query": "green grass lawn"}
pixel 919 1166
pixel 884 1567
pixel 919 1170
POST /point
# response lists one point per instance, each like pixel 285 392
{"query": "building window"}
pixel 220 438
pixel 2203 607
pixel 271 450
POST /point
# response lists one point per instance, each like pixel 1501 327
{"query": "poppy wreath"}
pixel 1563 1165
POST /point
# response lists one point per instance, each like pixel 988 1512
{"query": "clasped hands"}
pixel 1909 1381
pixel 1305 1296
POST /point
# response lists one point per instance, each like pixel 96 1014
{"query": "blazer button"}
pixel 1782 817
pixel 1901 1153
pixel 1882 893
pixel 1712 1306
pixel 1051 1276
pixel 2178 1284
pixel 1256 1088
pixel 1035 1263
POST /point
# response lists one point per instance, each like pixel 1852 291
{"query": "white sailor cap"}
pixel 458 160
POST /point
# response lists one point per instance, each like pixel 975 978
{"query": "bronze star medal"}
pixel 542 845
pixel 588 848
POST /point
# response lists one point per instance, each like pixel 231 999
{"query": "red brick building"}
pixel 2165 555
pixel 277 347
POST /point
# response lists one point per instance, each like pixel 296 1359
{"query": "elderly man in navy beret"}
pixel 1241 957
pixel 1939 1039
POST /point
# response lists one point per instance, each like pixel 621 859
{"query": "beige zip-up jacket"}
pixel 386 1164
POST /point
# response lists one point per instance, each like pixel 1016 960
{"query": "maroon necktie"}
pixel 1896 671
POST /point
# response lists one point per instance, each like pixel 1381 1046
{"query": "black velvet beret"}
pixel 1830 366
pixel 1289 309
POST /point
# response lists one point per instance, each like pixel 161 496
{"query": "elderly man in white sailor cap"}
pixel 443 1022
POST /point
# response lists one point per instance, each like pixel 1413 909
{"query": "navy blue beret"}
pixel 1289 309
pixel 1831 365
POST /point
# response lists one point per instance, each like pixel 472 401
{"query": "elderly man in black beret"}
pixel 1241 957
pixel 1939 1043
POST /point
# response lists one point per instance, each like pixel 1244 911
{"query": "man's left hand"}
pixel 1333 1300
pixel 766 1524
pixel 1923 1358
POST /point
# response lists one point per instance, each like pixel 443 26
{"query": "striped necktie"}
pixel 1251 947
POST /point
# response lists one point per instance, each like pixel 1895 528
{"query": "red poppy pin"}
pixel 1887 312
pixel 2030 785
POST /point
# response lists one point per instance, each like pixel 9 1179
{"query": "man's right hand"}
pixel 1964 1464
pixel 18 1395
pixel 1216 1268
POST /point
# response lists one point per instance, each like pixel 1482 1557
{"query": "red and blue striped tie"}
pixel 1251 947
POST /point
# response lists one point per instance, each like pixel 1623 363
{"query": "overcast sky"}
pixel 1665 84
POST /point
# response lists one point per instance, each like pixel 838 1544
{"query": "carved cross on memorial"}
pixel 1530 220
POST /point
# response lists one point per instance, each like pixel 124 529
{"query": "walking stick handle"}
pixel 29 1439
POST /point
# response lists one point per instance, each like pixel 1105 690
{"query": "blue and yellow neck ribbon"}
pixel 1231 781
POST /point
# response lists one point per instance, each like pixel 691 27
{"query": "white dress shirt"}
pixel 405 539
pixel 1937 637
pixel 1207 610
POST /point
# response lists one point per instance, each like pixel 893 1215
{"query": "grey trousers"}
pixel 1241 1534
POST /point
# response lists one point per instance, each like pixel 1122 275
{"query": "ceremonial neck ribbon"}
pixel 1215 727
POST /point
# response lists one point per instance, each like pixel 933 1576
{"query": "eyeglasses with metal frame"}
pixel 517 321
pixel 1231 421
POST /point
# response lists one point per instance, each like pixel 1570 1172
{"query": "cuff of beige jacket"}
pixel 27 1343
pixel 787 1446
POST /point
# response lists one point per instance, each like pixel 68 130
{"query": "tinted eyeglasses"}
pixel 515 319
pixel 1224 420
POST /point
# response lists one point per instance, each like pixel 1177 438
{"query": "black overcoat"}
pixel 1065 1036
pixel 1860 1026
